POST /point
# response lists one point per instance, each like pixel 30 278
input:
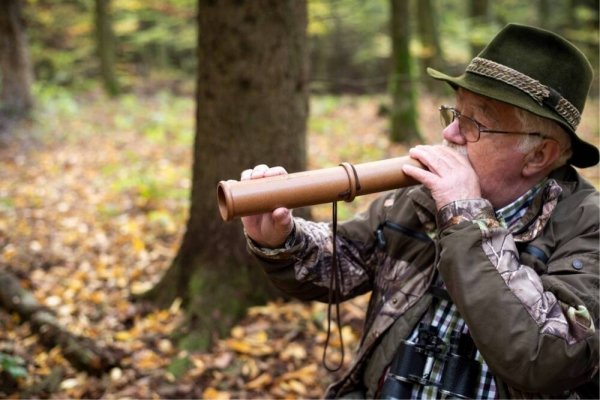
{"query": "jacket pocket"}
pixel 400 242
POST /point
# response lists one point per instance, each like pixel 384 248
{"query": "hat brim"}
pixel 584 154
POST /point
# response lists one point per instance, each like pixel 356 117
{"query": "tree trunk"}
pixel 15 67
pixel 403 92
pixel 340 53
pixel 479 15
pixel 544 13
pixel 431 50
pixel 252 105
pixel 105 47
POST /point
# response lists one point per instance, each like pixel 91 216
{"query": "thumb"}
pixel 282 217
pixel 282 220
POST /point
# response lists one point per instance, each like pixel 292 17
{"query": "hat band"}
pixel 542 94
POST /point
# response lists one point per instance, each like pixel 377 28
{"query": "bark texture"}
pixel 252 106
pixel 15 67
pixel 404 117
pixel 105 48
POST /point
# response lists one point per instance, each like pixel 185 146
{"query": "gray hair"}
pixel 547 127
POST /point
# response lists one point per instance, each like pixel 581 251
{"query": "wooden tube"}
pixel 344 182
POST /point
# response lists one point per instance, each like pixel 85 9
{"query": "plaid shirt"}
pixel 447 320
pixel 445 317
pixel 510 215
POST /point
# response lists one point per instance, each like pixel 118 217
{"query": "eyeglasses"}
pixel 471 129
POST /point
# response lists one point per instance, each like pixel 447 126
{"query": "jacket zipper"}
pixel 382 242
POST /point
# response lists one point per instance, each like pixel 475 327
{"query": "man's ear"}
pixel 542 158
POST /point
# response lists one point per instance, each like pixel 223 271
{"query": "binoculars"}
pixel 413 362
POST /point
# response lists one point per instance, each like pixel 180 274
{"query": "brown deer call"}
pixel 344 182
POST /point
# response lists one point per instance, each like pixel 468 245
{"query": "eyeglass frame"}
pixel 480 127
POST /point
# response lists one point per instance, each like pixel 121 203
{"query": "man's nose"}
pixel 452 133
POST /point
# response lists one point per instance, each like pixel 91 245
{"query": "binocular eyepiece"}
pixel 413 364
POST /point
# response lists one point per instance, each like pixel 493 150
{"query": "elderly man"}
pixel 484 279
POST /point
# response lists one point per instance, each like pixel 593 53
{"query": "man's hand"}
pixel 449 177
pixel 269 229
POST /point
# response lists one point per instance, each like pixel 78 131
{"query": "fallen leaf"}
pixel 260 382
pixel 214 394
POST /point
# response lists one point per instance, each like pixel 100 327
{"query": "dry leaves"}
pixel 92 212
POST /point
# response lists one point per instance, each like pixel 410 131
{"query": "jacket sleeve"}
pixel 302 268
pixel 536 333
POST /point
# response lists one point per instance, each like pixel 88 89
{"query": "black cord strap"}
pixel 335 279
pixel 334 297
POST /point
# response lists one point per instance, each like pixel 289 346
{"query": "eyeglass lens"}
pixel 446 116
pixel 468 128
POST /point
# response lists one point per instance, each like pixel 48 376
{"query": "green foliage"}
pixel 6 204
pixel 367 18
pixel 55 100
pixel 358 61
pixel 13 365
pixel 349 42
pixel 150 36
pixel 60 39
pixel 179 366
pixel 160 34
pixel 349 39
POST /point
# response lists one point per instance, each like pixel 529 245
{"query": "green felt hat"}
pixel 538 71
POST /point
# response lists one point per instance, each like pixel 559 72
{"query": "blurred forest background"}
pixel 118 279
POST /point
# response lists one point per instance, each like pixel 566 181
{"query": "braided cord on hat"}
pixel 565 107
pixel 541 93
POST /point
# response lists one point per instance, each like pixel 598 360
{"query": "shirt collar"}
pixel 510 214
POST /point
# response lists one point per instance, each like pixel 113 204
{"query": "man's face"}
pixel 494 157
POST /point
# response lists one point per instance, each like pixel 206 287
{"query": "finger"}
pixel 246 174
pixel 428 157
pixel 440 158
pixel 282 219
pixel 259 171
pixel 274 171
pixel 249 220
pixel 282 216
pixel 421 175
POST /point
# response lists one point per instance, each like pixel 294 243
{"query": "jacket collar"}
pixel 561 181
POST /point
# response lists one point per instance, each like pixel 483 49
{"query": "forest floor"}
pixel 93 204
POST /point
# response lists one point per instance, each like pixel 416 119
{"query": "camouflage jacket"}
pixel 529 297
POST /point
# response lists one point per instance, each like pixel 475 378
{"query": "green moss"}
pixel 179 366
